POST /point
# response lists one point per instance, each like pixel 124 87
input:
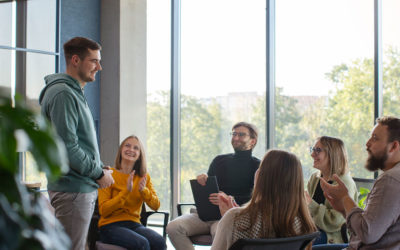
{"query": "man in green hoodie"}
pixel 62 101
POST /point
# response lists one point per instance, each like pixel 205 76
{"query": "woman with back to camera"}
pixel 120 205
pixel 277 207
pixel 330 158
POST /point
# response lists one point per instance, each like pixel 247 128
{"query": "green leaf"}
pixel 25 222
pixel 363 193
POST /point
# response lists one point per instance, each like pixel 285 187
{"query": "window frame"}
pixel 270 85
pixel 21 50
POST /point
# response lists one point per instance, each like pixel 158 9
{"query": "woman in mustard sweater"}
pixel 120 205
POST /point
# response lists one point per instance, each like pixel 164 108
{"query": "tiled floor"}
pixel 169 245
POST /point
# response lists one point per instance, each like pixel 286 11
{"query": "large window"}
pixel 41 26
pixel 222 79
pixel 391 57
pixel 7 57
pixel 323 61
pixel 325 76
pixel 158 97
pixel 28 52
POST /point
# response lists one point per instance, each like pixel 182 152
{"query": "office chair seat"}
pixel 103 246
pixel 93 234
pixel 199 239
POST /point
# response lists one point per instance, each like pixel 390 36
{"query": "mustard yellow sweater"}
pixel 116 203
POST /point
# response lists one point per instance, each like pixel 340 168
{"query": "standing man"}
pixel 378 225
pixel 62 101
pixel 235 176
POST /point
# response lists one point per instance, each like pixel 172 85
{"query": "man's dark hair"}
pixel 252 129
pixel 79 46
pixel 393 125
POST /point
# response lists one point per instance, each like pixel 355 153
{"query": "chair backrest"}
pixel 365 183
pixel 287 243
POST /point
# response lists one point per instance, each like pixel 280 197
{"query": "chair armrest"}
pixel 165 221
pixel 180 205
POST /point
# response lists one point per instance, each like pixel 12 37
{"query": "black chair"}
pixel 94 242
pixel 287 243
pixel 200 239
pixel 364 183
pixel 360 183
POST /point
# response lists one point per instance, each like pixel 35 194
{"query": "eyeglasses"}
pixel 316 150
pixel 240 134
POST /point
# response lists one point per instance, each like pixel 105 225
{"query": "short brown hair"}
pixel 393 125
pixel 79 46
pixel 252 129
pixel 336 153
pixel 140 165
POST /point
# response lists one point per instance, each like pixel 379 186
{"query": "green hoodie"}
pixel 64 104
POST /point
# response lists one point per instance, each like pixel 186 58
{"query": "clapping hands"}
pixel 129 184
pixel 226 202
pixel 335 193
pixel 142 182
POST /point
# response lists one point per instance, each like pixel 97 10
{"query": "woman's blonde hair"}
pixel 279 196
pixel 140 165
pixel 337 155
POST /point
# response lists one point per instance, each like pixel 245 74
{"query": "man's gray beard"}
pixel 375 163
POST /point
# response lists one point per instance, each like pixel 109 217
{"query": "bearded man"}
pixel 378 225
pixel 235 176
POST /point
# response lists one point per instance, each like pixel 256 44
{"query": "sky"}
pixel 223 43
pixel 223 46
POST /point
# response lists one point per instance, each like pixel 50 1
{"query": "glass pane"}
pixel 41 25
pixel 158 97
pixel 324 77
pixel 6 70
pixel 223 80
pixel 391 57
pixel 37 67
pixel 32 175
pixel 6 23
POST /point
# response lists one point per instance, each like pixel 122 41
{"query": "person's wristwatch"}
pixel 101 175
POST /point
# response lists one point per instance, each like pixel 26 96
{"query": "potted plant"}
pixel 25 219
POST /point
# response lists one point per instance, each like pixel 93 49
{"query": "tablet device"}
pixel 205 209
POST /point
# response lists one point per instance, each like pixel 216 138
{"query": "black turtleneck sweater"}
pixel 235 174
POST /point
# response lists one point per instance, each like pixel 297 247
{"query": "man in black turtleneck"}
pixel 235 175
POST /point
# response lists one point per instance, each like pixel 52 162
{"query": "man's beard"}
pixel 375 163
pixel 241 146
pixel 84 77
